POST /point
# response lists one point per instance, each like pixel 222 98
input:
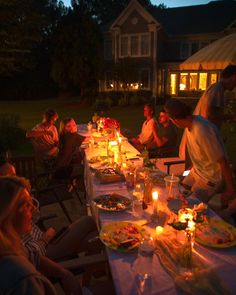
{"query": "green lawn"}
pixel 131 117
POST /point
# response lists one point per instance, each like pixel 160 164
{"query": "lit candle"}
pixel 159 230
pixel 155 200
pixel 119 141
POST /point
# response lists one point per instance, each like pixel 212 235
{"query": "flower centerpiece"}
pixel 110 125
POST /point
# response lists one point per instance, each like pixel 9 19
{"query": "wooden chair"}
pixel 46 193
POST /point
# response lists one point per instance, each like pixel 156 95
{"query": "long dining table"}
pixel 123 265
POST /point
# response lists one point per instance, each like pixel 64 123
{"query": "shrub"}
pixel 12 136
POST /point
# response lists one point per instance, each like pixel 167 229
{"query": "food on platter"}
pixel 216 233
pixel 112 202
pixel 122 236
pixel 109 175
pixel 97 159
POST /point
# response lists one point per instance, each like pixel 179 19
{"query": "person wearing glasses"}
pixel 44 137
pixel 17 274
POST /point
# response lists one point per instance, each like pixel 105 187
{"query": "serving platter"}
pixel 122 236
pixel 112 202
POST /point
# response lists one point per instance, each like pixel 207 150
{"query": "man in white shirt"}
pixel 44 136
pixel 145 138
pixel 206 151
pixel 211 104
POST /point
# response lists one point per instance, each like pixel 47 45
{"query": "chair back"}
pixel 26 167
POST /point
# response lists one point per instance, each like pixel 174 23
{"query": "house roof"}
pixel 209 18
pixel 215 56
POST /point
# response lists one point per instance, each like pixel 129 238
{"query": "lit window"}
pixel 193 81
pixel 173 83
pixel 134 45
pixel 124 46
pixel 109 80
pixel 145 79
pixel 213 78
pixel 202 81
pixel 183 81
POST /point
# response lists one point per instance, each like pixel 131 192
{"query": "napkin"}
pixel 203 279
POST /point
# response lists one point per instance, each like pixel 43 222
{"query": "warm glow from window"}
pixel 213 78
pixel 202 81
pixel 183 81
pixel 193 81
pixel 173 83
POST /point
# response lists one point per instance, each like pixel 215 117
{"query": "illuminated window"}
pixel 173 83
pixel 183 81
pixel 145 79
pixel 193 81
pixel 213 78
pixel 202 81
pixel 109 80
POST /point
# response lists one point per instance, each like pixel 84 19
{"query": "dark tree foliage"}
pixel 24 25
pixel 76 58
pixel 105 11
pixel 26 30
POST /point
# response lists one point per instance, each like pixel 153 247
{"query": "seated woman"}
pixel 145 138
pixel 17 274
pixel 69 148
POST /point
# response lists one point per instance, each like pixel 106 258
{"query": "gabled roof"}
pixel 133 5
pixel 209 18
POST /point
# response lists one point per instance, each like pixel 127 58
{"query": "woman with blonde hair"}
pixel 17 274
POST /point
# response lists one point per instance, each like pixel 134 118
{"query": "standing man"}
pixel 206 150
pixel 211 104
pixel 44 137
pixel 145 138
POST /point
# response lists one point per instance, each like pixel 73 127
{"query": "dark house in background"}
pixel 149 46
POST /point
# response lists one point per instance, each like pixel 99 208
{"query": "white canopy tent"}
pixel 215 56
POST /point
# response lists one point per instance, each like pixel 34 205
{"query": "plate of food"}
pixel 122 236
pixel 215 233
pixel 109 175
pixel 112 202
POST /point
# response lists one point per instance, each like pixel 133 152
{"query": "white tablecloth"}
pixel 122 265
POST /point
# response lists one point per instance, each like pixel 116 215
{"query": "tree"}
pixel 105 11
pixel 24 25
pixel 76 58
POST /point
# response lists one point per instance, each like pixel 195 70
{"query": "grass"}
pixel 131 117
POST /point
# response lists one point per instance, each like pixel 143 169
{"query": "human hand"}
pixel 49 234
pixel 70 284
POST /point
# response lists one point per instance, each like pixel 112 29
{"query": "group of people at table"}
pixel 24 248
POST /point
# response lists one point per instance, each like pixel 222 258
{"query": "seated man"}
pixel 45 137
pixel 165 137
pixel 145 138
pixel 206 151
